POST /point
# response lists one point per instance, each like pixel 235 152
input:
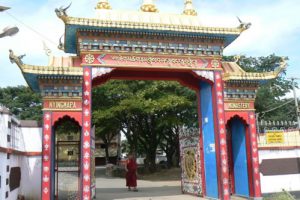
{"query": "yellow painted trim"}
pixel 213 57
pixel 152 67
pixel 70 110
pixel 239 109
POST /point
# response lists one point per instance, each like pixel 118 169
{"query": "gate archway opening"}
pixel 67 158
pixel 191 145
pixel 238 156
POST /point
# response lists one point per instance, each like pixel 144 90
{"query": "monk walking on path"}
pixel 131 170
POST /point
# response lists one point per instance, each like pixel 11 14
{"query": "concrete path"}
pixel 114 189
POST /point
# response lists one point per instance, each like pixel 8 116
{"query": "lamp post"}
pixel 8 31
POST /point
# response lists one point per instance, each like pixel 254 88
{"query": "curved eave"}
pixel 32 73
pixel 253 76
pixel 72 25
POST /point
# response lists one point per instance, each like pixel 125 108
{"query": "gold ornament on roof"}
pixel 104 5
pixel 149 6
pixel 189 8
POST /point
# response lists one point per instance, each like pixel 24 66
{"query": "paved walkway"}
pixel 114 189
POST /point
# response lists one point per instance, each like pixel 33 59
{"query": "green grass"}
pixel 173 174
pixel 280 196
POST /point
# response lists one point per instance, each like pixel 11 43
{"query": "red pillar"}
pixel 254 152
pixel 47 190
pixel 221 142
pixel 86 134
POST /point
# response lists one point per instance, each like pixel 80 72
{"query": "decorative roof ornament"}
pixel 236 58
pixel 61 44
pixel 62 12
pixel 103 5
pixel 243 25
pixel 48 51
pixel 149 6
pixel 15 59
pixel 189 8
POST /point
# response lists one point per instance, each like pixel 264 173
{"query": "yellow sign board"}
pixel 239 105
pixel 275 137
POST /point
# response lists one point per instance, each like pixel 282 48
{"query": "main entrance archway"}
pixel 148 45
pixel 191 146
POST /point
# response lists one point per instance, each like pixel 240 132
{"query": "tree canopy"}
pixel 145 111
pixel 22 102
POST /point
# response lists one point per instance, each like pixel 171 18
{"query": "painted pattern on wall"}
pixel 191 180
pixel 255 159
pixel 220 124
pixel 86 136
pixel 46 162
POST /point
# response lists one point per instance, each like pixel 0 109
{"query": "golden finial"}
pixel 103 4
pixel 189 8
pixel 149 6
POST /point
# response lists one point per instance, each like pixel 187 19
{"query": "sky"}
pixel 275 28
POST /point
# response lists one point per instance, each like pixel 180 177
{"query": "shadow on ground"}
pixel 120 193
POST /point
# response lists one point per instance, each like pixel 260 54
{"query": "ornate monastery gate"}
pixel 147 45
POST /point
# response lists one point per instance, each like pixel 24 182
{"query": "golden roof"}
pixel 150 20
pixel 56 66
pixel 232 71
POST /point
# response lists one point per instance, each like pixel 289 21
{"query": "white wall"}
pixel 270 184
pixel 32 138
pixel 24 140
pixel 3 130
pixel 3 174
pixel 31 178
pixel 14 161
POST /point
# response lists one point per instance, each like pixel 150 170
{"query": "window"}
pixel 6 194
pixel 8 138
pixel 7 181
pixel 7 168
pixel 9 125
pixel 14 178
pixel 8 156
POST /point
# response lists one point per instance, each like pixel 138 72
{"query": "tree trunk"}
pixel 169 155
pixel 150 164
pixel 106 153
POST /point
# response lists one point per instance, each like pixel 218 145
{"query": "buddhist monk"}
pixel 131 170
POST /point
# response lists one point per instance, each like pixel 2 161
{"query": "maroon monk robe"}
pixel 131 173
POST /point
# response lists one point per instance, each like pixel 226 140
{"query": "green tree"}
pixel 22 102
pixel 142 110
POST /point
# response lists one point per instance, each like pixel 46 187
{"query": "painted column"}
pixel 86 134
pixel 47 166
pixel 208 139
pixel 221 141
pixel 254 152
